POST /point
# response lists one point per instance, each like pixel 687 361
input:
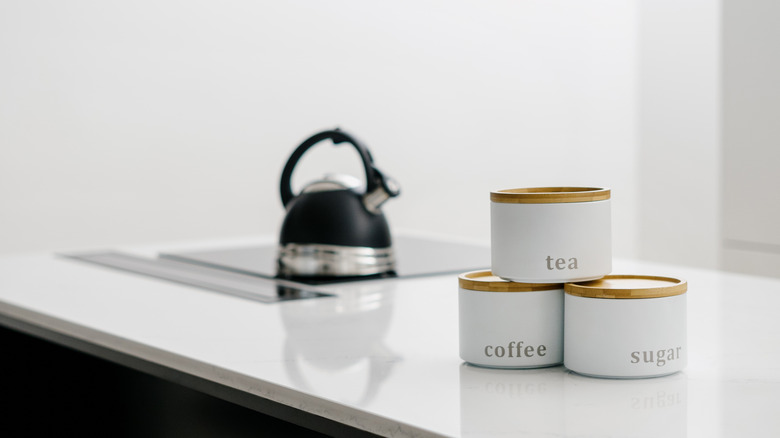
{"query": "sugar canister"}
pixel 626 326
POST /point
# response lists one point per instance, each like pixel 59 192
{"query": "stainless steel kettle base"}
pixel 318 260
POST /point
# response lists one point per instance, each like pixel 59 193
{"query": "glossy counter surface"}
pixel 382 356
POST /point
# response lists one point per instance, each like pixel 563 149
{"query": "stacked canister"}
pixel 549 297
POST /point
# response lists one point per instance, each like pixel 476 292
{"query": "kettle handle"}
pixel 373 179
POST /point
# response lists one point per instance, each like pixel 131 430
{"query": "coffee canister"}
pixel 504 324
pixel 626 326
pixel 551 234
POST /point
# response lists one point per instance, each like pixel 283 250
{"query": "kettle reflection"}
pixel 354 324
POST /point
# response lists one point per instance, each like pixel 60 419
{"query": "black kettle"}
pixel 333 227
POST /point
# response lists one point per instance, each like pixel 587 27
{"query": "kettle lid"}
pixel 334 181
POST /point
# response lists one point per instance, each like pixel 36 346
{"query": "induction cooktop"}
pixel 415 256
pixel 250 272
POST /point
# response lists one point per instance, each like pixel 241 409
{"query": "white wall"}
pixel 751 136
pixel 141 121
pixel 679 160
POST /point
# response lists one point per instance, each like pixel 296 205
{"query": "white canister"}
pixel 626 326
pixel 551 234
pixel 504 324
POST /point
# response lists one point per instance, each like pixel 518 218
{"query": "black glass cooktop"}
pixel 415 256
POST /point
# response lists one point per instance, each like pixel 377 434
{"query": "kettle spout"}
pixel 386 189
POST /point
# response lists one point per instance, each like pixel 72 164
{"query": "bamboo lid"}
pixel 628 286
pixel 485 281
pixel 549 195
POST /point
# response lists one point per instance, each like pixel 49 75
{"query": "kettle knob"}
pixel 388 188
pixel 379 188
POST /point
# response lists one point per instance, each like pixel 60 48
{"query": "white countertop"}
pixel 383 355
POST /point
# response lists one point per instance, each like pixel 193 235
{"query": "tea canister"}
pixel 551 234
pixel 504 324
pixel 626 326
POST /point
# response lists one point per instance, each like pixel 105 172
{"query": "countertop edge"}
pixel 259 395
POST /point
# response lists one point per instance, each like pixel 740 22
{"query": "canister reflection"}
pixel 557 402
pixel 511 402
pixel 354 324
pixel 654 407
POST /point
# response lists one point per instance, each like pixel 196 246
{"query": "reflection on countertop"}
pixel 558 402
pixel 354 325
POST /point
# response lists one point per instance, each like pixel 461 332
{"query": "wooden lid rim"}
pixel 471 281
pixel 550 195
pixel 592 289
